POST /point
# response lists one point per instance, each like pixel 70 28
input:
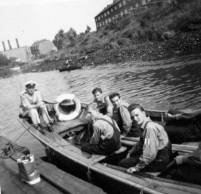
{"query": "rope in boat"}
pixel 7 151
pixel 10 149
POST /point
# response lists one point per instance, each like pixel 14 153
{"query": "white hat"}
pixel 30 83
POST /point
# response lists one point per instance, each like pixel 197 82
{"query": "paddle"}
pixel 47 102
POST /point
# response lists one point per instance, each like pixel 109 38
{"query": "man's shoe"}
pixel 42 131
pixel 40 128
pixel 50 129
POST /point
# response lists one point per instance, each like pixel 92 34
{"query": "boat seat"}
pixel 97 158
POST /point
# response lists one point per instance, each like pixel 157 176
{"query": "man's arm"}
pixel 39 98
pixel 149 149
pixel 96 135
pixel 134 149
pixel 25 103
pixel 126 118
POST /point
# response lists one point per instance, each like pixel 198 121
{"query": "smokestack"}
pixel 9 45
pixel 18 46
pixel 4 47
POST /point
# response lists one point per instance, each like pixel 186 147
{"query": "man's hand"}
pixel 181 159
pixel 128 155
pixel 103 137
pixel 131 170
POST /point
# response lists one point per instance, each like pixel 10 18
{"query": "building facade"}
pixel 121 8
pixel 42 47
pixel 22 54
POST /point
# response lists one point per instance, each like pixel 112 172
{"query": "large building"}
pixel 120 8
pixel 21 54
pixel 42 47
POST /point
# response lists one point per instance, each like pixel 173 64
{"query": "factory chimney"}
pixel 4 47
pixel 18 46
pixel 9 45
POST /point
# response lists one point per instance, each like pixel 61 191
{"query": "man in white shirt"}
pixel 32 104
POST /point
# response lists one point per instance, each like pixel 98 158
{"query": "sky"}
pixel 32 20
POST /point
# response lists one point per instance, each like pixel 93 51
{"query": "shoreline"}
pixel 179 46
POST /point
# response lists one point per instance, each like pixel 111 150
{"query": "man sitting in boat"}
pixel 106 134
pixel 120 113
pixel 103 104
pixel 153 151
pixel 67 63
pixel 31 104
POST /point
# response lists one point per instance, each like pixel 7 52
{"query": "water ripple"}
pixel 160 84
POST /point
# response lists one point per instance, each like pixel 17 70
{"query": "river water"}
pixel 172 83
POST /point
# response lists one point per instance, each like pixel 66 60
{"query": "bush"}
pixel 123 42
pixel 4 61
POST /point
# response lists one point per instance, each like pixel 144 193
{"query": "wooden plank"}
pixel 54 179
pixel 11 183
pixel 65 181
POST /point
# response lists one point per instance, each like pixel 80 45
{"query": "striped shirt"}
pixel 155 139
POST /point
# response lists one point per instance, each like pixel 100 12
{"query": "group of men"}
pixel 113 118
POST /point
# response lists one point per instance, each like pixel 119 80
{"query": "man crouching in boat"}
pixel 31 103
pixel 152 152
pixel 106 134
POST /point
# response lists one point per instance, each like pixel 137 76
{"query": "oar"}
pixel 47 102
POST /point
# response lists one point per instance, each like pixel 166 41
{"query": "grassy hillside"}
pixel 175 27
pixel 157 32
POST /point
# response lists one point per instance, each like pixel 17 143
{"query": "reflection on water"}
pixel 162 84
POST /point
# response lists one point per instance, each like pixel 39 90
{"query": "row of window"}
pixel 119 5
pixel 111 10
pixel 113 18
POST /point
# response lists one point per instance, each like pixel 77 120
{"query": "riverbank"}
pixel 180 45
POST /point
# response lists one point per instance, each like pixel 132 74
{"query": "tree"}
pixel 87 30
pixel 71 36
pixel 4 60
pixel 59 39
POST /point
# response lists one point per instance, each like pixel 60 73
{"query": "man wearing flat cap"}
pixel 32 103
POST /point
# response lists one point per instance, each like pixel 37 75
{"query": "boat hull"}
pixel 69 68
pixel 95 168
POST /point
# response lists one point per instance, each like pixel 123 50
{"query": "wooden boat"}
pixel 63 147
pixel 70 68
